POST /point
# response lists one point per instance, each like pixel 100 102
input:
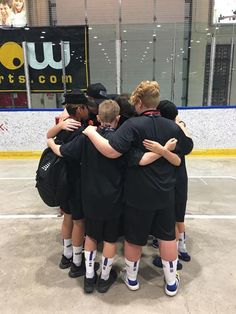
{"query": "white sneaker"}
pixel 132 285
pixel 172 290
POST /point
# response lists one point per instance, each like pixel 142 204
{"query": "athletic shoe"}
pixel 65 262
pixel 171 290
pixel 104 285
pixel 78 271
pixel 184 256
pixel 131 284
pixel 155 243
pixel 89 283
pixel 158 263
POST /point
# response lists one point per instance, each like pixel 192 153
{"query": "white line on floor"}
pixel 27 216
pixel 190 177
pixel 46 216
pixel 203 181
pixel 19 178
pixel 210 216
pixel 212 177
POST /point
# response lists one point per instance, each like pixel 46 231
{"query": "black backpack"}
pixel 52 178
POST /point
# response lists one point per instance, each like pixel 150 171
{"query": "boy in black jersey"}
pixel 102 197
pixel 73 224
pixel 149 190
pixel 168 110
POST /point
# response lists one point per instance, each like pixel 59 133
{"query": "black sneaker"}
pixel 158 263
pixel 78 271
pixel 89 283
pixel 104 285
pixel 65 262
pixel 184 256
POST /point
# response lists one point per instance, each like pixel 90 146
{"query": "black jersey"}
pixel 101 177
pixel 73 167
pixel 150 187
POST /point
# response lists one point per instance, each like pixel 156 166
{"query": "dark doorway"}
pixel 221 75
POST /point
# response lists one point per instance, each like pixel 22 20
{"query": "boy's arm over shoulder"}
pixel 67 125
pixel 73 149
pixel 125 137
pixel 101 144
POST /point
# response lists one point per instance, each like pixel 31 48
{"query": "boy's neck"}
pixel 108 124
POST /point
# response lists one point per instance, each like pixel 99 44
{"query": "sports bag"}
pixel 52 178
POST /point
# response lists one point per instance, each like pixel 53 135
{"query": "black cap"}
pixel 97 91
pixel 168 109
pixel 76 96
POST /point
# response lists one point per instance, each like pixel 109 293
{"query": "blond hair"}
pixel 108 110
pixel 148 92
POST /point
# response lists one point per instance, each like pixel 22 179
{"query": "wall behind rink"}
pixel 23 132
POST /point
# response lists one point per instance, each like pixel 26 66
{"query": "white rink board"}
pixel 213 128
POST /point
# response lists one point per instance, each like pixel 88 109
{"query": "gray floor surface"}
pixel 31 282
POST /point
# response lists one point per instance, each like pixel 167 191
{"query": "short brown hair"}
pixel 148 92
pixel 71 108
pixel 108 110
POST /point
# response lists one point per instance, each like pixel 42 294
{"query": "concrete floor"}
pixel 31 281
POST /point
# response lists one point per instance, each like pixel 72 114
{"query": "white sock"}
pixel 77 255
pixel 106 267
pixel 67 248
pixel 89 262
pixel 182 243
pixel 169 268
pixel 132 269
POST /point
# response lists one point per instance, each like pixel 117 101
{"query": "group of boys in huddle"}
pixel 127 175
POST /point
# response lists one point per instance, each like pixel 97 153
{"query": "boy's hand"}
pixel 90 130
pixel 70 125
pixel 171 144
pixel 153 146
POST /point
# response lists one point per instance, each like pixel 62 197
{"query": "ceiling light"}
pixel 95 37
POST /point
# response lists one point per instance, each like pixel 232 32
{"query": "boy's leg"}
pixel 108 275
pixel 164 224
pixel 137 227
pixel 109 251
pixel 90 251
pixel 110 232
pixel 77 267
pixel 183 253
pixel 168 252
pixel 132 259
pixel 78 241
pixel 66 232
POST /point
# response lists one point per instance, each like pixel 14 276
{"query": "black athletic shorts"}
pixel 103 230
pixel 181 192
pixel 180 210
pixel 73 207
pixel 139 224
